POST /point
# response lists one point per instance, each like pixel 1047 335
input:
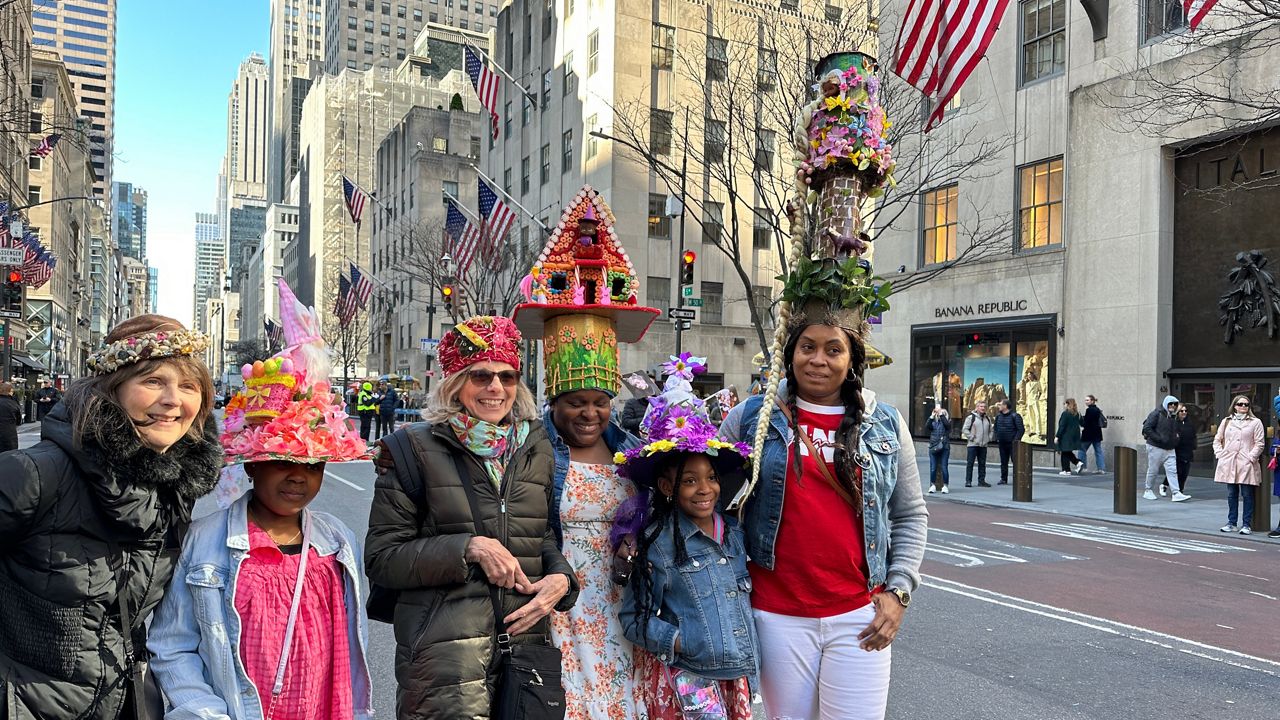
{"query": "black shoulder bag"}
pixel 381 604
pixel 143 700
pixel 529 686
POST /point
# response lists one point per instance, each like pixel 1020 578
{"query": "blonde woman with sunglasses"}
pixel 1237 446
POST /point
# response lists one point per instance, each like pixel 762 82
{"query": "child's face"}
pixel 696 490
pixel 283 487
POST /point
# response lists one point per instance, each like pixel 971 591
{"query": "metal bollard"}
pixel 1124 501
pixel 1022 473
pixel 1262 499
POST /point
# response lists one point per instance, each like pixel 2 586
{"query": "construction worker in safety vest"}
pixel 368 409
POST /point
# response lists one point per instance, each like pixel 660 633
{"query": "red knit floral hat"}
pixel 482 338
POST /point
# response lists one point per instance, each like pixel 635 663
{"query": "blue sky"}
pixel 175 63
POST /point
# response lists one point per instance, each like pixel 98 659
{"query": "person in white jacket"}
pixel 1237 446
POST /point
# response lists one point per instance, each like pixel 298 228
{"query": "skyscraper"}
pixel 245 165
pixel 297 50
pixel 129 219
pixel 210 261
pixel 84 35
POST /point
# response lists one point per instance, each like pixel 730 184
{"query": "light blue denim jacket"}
pixel 895 520
pixel 615 437
pixel 195 635
pixel 706 602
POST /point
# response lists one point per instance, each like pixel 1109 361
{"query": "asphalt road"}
pixel 1028 615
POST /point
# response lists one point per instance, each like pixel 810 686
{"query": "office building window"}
pixel 766 141
pixel 506 120
pixel 352 24
pixel 1040 204
pixel 351 44
pixel 717 58
pixel 368 26
pixel 593 52
pixel 570 80
pixel 37 89
pixel 35 162
pixel 659 223
pixel 449 189
pixel 1044 38
pixel 712 221
pixel 593 123
pixel 566 151
pixel 762 298
pixel 544 174
pixel 34 194
pixel 660 123
pixel 524 175
pixel 715 135
pixel 658 294
pixel 767 73
pixel 546 90
pixel 939 224
pixel 36 123
pixel 417 14
pixel 526 110
pixel 506 180
pixel 400 11
pixel 474 146
pixel 664 46
pixel 712 303
pixel 761 229
pixel 1160 18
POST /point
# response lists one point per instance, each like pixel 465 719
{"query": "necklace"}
pixel 290 541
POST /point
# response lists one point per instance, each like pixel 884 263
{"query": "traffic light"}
pixel 11 293
pixel 447 294
pixel 686 267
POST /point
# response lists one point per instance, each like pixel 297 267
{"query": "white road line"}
pixel 1263 595
pixel 1111 627
pixel 1123 538
pixel 344 481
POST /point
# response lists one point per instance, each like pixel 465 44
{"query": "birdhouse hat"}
pixel 580 298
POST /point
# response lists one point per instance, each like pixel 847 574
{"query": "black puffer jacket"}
pixel 444 620
pixel 61 653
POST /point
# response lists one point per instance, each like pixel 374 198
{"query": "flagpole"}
pixel 533 98
pixel 510 199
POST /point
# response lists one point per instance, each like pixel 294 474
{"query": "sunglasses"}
pixel 483 378
pixel 1242 404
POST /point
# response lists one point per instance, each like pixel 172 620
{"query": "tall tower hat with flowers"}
pixel 842 161
pixel 580 298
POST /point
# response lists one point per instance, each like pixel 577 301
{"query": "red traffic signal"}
pixel 15 276
pixel 686 269
pixel 689 257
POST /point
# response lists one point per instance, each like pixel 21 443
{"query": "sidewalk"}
pixel 1090 497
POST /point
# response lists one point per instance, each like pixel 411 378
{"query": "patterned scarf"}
pixel 494 444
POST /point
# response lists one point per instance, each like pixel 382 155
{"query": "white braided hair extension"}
pixel 776 360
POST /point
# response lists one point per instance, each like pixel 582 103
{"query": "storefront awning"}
pixel 28 361
pixel 1264 371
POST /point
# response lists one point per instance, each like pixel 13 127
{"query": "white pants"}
pixel 812 668
pixel 1159 459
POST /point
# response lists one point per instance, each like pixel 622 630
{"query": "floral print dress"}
pixel 599 663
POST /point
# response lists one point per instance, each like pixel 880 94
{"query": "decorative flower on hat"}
pixel 685 366
pixel 482 338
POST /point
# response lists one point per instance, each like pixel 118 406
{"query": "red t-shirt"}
pixel 820 567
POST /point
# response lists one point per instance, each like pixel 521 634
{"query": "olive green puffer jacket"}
pixel 444 618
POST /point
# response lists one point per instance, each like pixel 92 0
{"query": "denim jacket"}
pixel 614 436
pixel 195 634
pixel 895 520
pixel 706 602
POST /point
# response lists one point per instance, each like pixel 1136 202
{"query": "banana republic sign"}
pixel 984 308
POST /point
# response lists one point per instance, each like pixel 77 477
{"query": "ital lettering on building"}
pixel 987 308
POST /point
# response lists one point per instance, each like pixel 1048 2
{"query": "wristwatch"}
pixel 903 596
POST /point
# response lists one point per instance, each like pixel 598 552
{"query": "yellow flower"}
pixel 660 446
pixel 837 102
pixel 619 458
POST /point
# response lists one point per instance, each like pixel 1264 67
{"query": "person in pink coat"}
pixel 1237 446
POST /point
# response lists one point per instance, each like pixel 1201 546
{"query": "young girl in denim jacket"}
pixel 264 617
pixel 688 600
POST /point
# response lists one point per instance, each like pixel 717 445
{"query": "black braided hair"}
pixel 850 397
pixel 663 513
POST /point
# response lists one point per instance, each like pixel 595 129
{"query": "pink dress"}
pixel 317 680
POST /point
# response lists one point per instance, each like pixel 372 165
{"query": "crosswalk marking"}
pixel 1163 545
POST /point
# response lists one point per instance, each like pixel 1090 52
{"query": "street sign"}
pixel 686 291
pixel 12 256
pixel 693 302
pixel 429 346
pixel 13 314
pixel 681 313
pixel 684 324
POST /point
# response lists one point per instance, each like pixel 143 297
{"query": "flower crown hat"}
pixel 677 421
pixel 287 409
pixel 580 298
pixel 478 339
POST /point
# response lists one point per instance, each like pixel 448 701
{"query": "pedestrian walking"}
pixel 978 432
pixel 1091 425
pixel 265 614
pixel 367 408
pixel 697 626
pixel 10 418
pixel 1009 430
pixel 1160 430
pixel 1237 446
pixel 1274 466
pixel 46 397
pixel 1188 438
pixel 939 427
pixel 1068 436
pixel 92 518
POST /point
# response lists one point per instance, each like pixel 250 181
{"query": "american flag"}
pixel 498 218
pixel 355 197
pixel 940 43
pixel 1196 10
pixel 38 265
pixel 486 84
pixel 361 288
pixel 275 333
pixel 463 235
pixel 45 148
pixel 342 307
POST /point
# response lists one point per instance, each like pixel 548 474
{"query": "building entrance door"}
pixel 1208 401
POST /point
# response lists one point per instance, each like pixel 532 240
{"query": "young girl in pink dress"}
pixel 264 617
